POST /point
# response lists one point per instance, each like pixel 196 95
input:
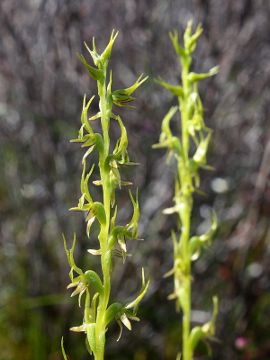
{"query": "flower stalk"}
pixel 99 311
pixel 190 151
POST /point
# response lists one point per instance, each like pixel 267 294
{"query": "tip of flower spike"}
pixel 188 30
pixel 190 23
pixel 107 52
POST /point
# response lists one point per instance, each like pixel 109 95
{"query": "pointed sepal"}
pixel 123 96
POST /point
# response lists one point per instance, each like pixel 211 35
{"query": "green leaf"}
pixel 99 143
pixel 174 89
pixel 95 73
pixel 114 311
pixel 94 281
pixel 194 77
pixel 99 212
pixel 195 336
pixel 118 232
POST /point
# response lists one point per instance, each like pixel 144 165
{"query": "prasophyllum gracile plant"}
pixel 189 149
pixel 99 310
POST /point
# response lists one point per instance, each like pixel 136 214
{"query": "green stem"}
pixel 105 111
pixel 189 159
pixel 187 288
pixel 186 195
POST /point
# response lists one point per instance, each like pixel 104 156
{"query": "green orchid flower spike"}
pixel 93 290
pixel 189 150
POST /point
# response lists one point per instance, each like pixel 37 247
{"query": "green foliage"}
pixel 98 312
pixel 194 135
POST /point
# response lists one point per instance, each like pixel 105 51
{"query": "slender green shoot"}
pixel 99 310
pixel 189 149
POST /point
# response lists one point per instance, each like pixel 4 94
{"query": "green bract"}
pixel 190 151
pixel 98 311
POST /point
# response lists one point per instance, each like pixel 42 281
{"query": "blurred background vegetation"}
pixel 41 88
